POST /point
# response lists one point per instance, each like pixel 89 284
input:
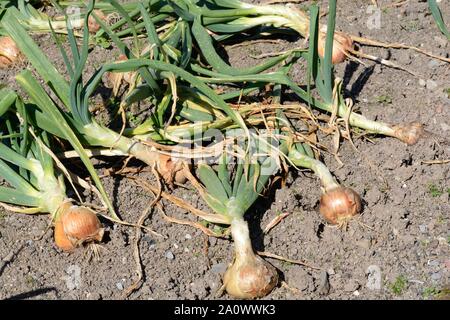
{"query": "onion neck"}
pixel 242 243
pixel 52 190
pixel 325 176
pixel 101 136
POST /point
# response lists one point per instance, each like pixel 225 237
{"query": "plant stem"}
pixel 318 167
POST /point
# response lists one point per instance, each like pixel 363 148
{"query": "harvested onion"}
pixel 249 276
pixel 339 205
pixel 341 44
pixel 9 52
pixel 75 225
pixel 170 170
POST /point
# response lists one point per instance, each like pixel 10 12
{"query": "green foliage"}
pixel 399 285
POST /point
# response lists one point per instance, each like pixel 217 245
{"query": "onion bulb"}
pixel 75 225
pixel 339 205
pixel 341 44
pixel 170 170
pixel 61 240
pixel 409 133
pixel 93 25
pixel 249 276
pixel 9 52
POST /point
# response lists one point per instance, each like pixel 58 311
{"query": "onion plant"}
pixel 33 185
pixel 75 96
pixel 437 15
pixel 320 73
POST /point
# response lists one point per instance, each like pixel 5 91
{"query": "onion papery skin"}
pixel 9 52
pixel 249 276
pixel 76 224
pixel 339 205
pixel 341 44
pixel 61 240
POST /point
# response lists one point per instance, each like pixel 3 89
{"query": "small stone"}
pixel 431 85
pixel 423 228
pixel 188 236
pixel 169 255
pixel 422 83
pixel 324 283
pixel 119 286
pixel 436 276
pixel 356 293
pixel 151 243
pixel 175 246
pixel 331 271
pixel 433 263
pixel 219 268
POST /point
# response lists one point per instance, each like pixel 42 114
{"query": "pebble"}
pixel 422 83
pixel 119 285
pixel 433 263
pixel 423 228
pixel 431 85
pixel 188 236
pixel 436 276
pixel 324 283
pixel 219 268
pixel 169 255
pixel 151 243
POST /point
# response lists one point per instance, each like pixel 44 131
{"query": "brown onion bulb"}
pixel 170 170
pixel 93 25
pixel 9 52
pixel 339 205
pixel 341 44
pixel 61 240
pixel 249 277
pixel 409 133
pixel 78 224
